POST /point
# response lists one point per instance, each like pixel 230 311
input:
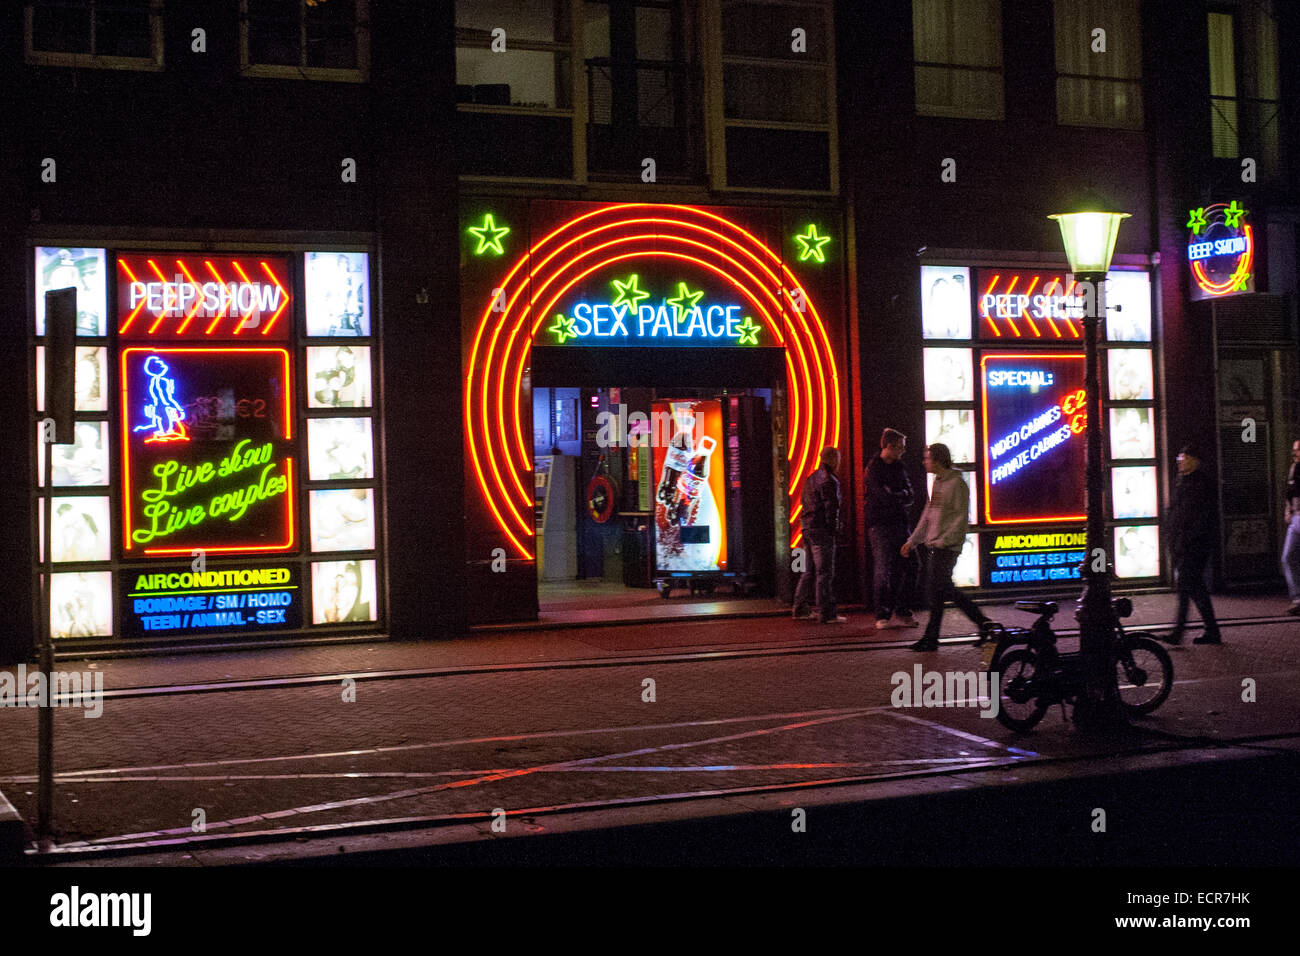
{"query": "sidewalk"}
pixel 516 647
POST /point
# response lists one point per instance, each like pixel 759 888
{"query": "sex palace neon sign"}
pixel 617 247
pixel 1220 250
pixel 164 296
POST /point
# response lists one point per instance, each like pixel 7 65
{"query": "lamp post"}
pixel 1089 235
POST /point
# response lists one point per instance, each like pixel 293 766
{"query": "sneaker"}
pixel 1173 637
pixel 904 620
pixel 837 619
pixel 804 614
pixel 884 622
pixel 924 645
pixel 1208 639
pixel 987 628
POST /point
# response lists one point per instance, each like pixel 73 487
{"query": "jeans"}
pixel 939 588
pixel 892 575
pixel 821 570
pixel 1291 558
pixel 1189 571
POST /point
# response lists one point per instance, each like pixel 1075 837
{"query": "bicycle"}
pixel 1033 675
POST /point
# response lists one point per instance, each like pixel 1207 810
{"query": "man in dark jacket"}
pixel 1191 525
pixel 889 505
pixel 820 520
pixel 1291 549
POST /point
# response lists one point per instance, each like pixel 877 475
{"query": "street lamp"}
pixel 1089 233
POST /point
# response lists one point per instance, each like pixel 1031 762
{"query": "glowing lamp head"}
pixel 1089 235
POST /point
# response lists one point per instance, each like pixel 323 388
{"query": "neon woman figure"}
pixel 162 402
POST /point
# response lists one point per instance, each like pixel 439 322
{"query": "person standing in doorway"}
pixel 1191 526
pixel 820 521
pixel 1291 549
pixel 889 504
pixel 941 534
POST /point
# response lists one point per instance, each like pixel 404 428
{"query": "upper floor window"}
pixel 310 39
pixel 957 49
pixel 1099 63
pixel 1244 103
pixel 123 34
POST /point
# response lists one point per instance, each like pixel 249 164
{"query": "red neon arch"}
pixel 699 239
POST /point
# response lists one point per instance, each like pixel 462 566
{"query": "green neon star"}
pixel 1232 215
pixel 748 332
pixel 685 300
pixel 811 244
pixel 1196 222
pixel 563 329
pixel 628 293
pixel 489 235
pixel 1240 285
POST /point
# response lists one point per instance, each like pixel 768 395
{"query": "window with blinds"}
pixel 1099 76
pixel 957 54
pixel 1244 104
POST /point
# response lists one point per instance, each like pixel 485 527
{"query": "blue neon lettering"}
pixel 582 319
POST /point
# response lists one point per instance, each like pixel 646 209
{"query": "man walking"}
pixel 889 503
pixel 1291 549
pixel 1191 526
pixel 940 534
pixel 820 521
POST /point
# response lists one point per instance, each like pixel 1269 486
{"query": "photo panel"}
pixel 1133 492
pixel 338 376
pixel 84 463
pixel 81 604
pixel 339 449
pixel 966 572
pixel 945 302
pixel 954 427
pixel 342 519
pixel 1129 373
pixel 86 270
pixel 1128 305
pixel 81 529
pixel 1131 433
pixel 337 287
pixel 1137 551
pixel 948 376
pixel 91 382
pixel 343 591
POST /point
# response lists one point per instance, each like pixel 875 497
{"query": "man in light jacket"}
pixel 940 535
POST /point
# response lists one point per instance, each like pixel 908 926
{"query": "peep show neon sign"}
pixel 683 319
pixel 1220 250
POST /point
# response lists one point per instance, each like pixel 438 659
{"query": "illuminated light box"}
pixel 1034 432
pixel 1131 433
pixel 342 519
pixel 1133 492
pixel 338 376
pixel 945 302
pixel 1017 305
pixel 1220 250
pixel 81 604
pixel 202 298
pixel 966 571
pixel 1137 551
pixel 690 493
pixel 1131 292
pixel 86 270
pixel 81 529
pixel 954 427
pixel 1033 558
pixel 343 591
pixel 337 293
pixel 180 600
pixel 1129 374
pixel 84 463
pixel 948 375
pixel 91 382
pixel 339 449
pixel 206 450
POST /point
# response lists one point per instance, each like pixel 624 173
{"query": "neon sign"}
pixel 516 306
pixel 162 296
pixel 229 485
pixel 179 601
pixel 810 245
pixel 489 236
pixel 1033 406
pixel 651 325
pixel 1221 250
pixel 1032 558
pixel 162 402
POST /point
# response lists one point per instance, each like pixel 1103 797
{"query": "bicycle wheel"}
pixel 993 658
pixel 1019 706
pixel 1145 674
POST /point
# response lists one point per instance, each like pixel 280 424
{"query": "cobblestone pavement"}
pixel 528 738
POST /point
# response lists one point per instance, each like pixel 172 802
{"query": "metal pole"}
pixel 1098 708
pixel 45 724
